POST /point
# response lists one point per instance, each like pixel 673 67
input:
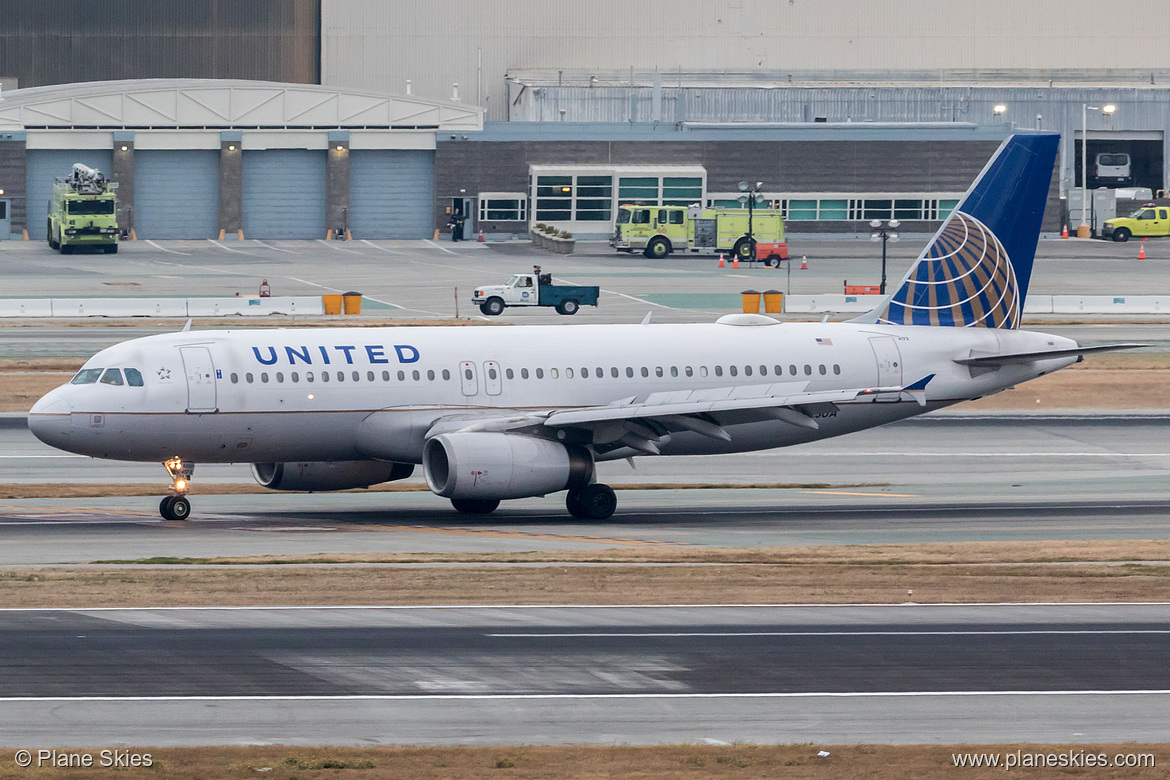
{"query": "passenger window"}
pixel 357 377
pixel 415 375
pixel 822 369
pixel 247 377
pixel 112 377
pixel 674 371
pixel 778 370
pixel 264 377
pixel 324 376
pixel 431 376
pixel 401 376
pixel 524 373
pixel 540 373
pixel 690 372
pixel 645 371
pixel 294 376
pixel 718 370
pixel 1147 214
pixel 554 374
pixel 584 372
pixel 807 370
pixel 702 371
pixel 614 372
pixel 467 373
pixel 641 217
pixel 280 377
pixel 370 376
pixel 446 375
pixel 308 376
pixel 836 369
pixel 87 376
pixel 601 372
pixel 340 376
pixel 763 370
pixel 733 370
pixel 676 217
pixel 629 372
pixel 792 370
pixel 386 376
pixel 747 370
pixel 568 373
pixel 508 373
pixel 658 371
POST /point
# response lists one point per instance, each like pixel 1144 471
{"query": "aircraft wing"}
pixel 638 421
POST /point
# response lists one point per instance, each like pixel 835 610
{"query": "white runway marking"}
pixel 215 243
pixel 717 634
pixel 273 248
pixel 168 251
pixel 572 696
pixel 382 248
pixel 437 246
pixel 336 248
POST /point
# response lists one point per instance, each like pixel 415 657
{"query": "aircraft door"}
pixel 200 371
pixel 889 365
pixel 491 378
pixel 467 378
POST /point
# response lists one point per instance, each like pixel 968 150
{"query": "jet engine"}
pixel 328 475
pixel 502 465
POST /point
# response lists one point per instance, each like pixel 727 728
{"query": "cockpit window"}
pixel 86 376
pixel 133 377
pixel 112 376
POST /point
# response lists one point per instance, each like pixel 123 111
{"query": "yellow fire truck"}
pixel 660 230
pixel 82 213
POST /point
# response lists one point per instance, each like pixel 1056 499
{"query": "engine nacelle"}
pixel 328 475
pixel 502 465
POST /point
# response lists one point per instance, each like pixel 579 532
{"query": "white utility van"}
pixel 1113 168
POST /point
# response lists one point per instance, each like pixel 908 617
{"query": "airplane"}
pixel 502 413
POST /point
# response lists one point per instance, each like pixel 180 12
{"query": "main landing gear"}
pixel 177 507
pixel 592 502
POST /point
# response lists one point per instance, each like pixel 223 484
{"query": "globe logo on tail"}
pixel 964 278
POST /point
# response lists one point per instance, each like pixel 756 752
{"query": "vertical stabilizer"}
pixel 976 268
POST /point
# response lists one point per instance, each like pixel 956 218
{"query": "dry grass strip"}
pixel 583 762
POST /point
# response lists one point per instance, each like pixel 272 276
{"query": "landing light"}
pixel 180 484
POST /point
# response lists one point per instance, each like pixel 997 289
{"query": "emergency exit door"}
pixel 889 365
pixel 467 380
pixel 200 373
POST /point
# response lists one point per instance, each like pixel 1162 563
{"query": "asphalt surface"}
pixel 940 478
pixel 564 674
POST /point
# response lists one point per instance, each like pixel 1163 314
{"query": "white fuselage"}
pixel 341 394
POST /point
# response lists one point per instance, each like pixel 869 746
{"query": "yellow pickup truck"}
pixel 1149 220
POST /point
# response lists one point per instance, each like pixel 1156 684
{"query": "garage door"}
pixel 391 193
pixel 284 193
pixel 176 193
pixel 44 165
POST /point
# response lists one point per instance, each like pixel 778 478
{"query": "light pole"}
pixel 1083 228
pixel 751 198
pixel 883 232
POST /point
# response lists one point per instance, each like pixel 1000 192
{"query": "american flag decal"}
pixel 825 342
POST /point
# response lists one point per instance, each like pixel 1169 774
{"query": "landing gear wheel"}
pixel 492 307
pixel 568 307
pixel 475 506
pixel 1121 235
pixel 593 502
pixel 164 507
pixel 175 508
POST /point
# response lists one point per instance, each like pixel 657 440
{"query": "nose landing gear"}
pixel 177 507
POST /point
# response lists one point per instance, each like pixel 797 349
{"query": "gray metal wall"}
pixel 390 193
pixel 66 41
pixel 176 193
pixel 284 193
pixel 378 45
pixel 44 165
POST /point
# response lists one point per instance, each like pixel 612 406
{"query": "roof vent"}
pixel 746 319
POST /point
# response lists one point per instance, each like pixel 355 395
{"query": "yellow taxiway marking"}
pixel 847 493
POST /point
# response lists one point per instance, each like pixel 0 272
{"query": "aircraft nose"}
pixel 50 419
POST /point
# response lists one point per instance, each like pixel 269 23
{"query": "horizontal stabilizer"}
pixel 1032 357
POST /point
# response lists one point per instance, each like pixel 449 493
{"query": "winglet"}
pixel 187 327
pixel 917 391
pixel 646 319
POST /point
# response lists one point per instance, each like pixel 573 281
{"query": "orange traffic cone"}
pixel 1064 233
pixel 804 262
pixel 480 239
pixel 735 262
pixel 1142 253
pixel 721 263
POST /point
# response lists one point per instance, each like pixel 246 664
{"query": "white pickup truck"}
pixel 534 289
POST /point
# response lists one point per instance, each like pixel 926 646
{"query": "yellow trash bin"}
pixel 773 302
pixel 352 302
pixel 751 301
pixel 332 304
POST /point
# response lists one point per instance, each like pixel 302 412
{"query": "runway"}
pixel 933 479
pixel 548 675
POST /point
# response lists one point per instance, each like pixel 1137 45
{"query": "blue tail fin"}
pixel 975 271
